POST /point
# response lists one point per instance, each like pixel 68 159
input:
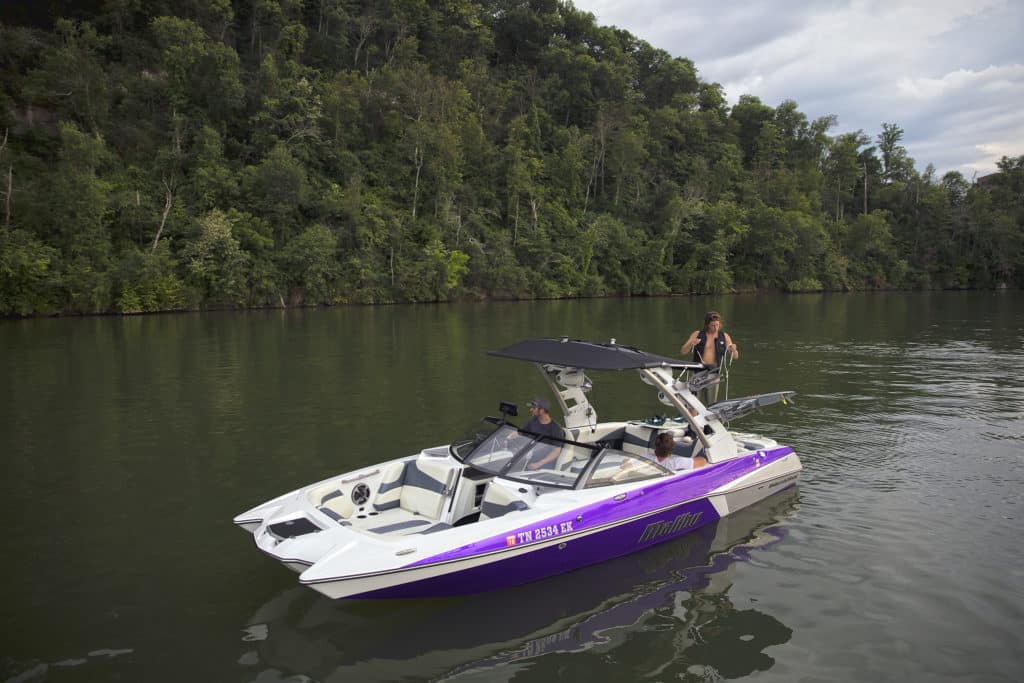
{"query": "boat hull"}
pixel 556 558
pixel 518 564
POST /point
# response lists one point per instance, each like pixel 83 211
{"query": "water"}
pixel 128 444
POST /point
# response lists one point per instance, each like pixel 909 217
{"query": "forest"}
pixel 160 155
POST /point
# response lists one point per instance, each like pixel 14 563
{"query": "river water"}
pixel 128 444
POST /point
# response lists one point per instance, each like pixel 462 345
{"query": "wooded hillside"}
pixel 167 155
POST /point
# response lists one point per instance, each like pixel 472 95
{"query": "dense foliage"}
pixel 163 155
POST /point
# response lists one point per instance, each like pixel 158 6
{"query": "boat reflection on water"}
pixel 676 592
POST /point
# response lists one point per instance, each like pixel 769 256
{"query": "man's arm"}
pixel 554 430
pixel 730 347
pixel 545 460
pixel 689 344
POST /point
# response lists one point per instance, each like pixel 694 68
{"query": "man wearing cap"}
pixel 542 423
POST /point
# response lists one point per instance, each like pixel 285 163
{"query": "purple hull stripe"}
pixel 555 559
pixel 658 495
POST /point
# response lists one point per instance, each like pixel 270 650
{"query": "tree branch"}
pixel 10 180
pixel 7 199
pixel 167 210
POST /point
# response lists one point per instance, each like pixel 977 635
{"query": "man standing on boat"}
pixel 713 354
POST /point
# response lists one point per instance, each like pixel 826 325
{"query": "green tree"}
pixel 215 263
pixel 147 281
pixel 311 267
pixel 278 190
pixel 202 74
pixel 895 163
pixel 71 81
pixel 874 260
pixel 28 282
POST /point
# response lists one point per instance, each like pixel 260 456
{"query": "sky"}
pixel 950 73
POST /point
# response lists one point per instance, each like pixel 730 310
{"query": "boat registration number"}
pixel 540 533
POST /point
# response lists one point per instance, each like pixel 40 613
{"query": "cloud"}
pixel 997 80
pixel 949 72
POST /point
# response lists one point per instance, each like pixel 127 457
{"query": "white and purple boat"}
pixel 496 510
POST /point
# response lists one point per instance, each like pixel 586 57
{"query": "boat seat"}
pixel 572 460
pixel 498 500
pixel 421 487
pixel 404 525
pixel 638 439
pixel 337 505
pixel 610 439
pixel 410 526
pixel 685 445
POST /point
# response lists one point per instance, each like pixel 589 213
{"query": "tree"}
pixel 749 114
pixel 522 179
pixel 874 260
pixel 278 189
pixel 277 152
pixel 147 282
pixel 895 162
pixel 71 79
pixel 202 74
pixel 216 264
pixel 27 279
pixel 310 266
pixel 843 169
pixel 75 213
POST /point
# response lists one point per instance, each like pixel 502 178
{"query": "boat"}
pixel 504 506
pixel 685 583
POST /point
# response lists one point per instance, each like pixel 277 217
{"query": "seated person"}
pixel 542 423
pixel 663 445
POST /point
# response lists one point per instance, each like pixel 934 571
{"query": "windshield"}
pixel 551 462
pixel 493 452
pixel 524 456
pixel 546 461
pixel 618 467
pixel 461 448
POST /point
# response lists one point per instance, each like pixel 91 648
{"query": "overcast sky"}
pixel 949 72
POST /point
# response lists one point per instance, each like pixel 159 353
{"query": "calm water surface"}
pixel 128 444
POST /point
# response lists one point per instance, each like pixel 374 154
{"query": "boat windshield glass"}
pixel 551 462
pixel 618 467
pixel 493 452
pixel 477 435
pixel 546 461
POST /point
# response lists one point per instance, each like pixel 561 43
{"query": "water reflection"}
pixel 672 602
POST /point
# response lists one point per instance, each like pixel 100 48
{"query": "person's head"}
pixel 539 406
pixel 712 322
pixel 663 445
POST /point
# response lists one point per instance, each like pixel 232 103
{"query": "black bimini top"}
pixel 586 355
